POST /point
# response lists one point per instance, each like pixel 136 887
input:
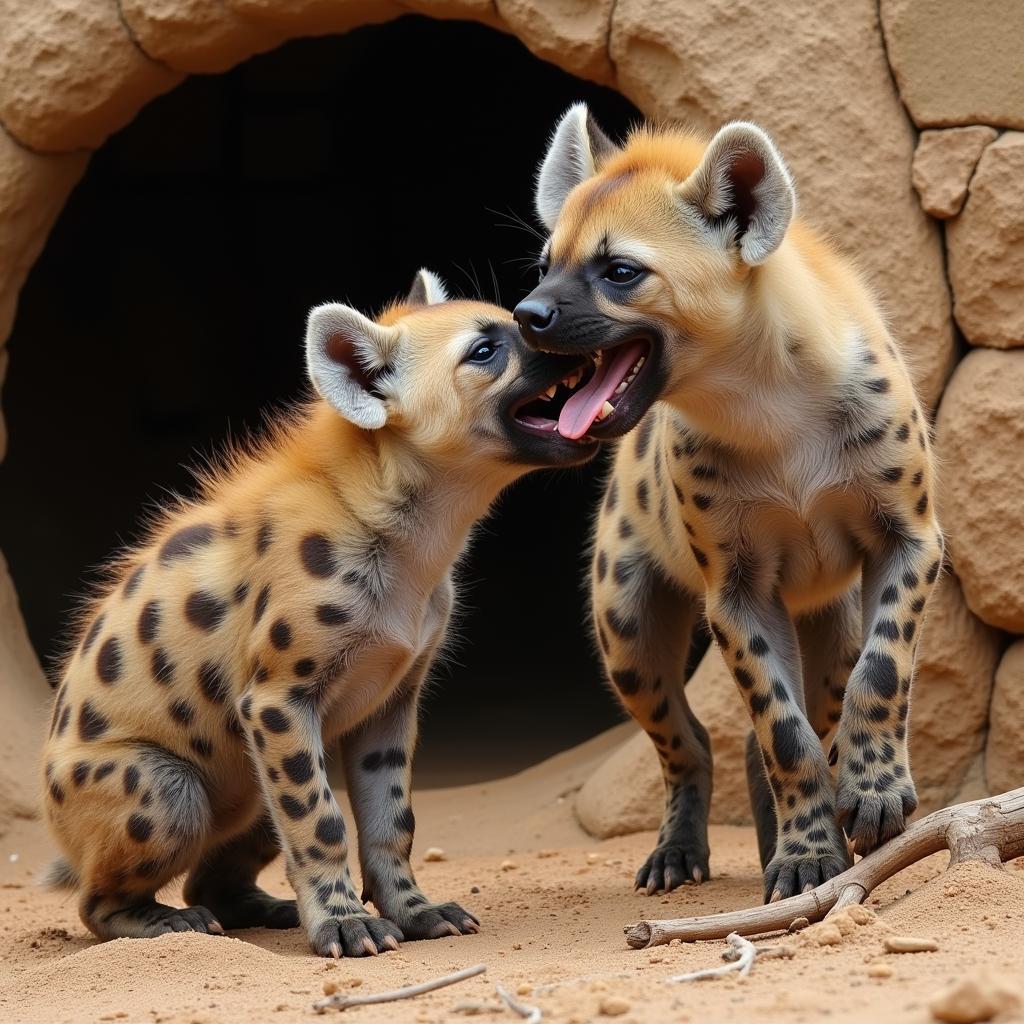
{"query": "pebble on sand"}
pixel 909 944
pixel 508 865
pixel 614 1006
pixel 434 853
pixel 978 998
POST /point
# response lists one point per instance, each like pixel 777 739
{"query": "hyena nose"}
pixel 534 317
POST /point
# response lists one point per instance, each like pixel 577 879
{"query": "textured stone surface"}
pixel 24 694
pixel 626 794
pixel 1004 752
pixel 986 248
pixel 70 73
pixel 472 10
pixel 981 485
pixel 195 35
pixel 315 17
pixel 571 33
pixel 944 161
pixel 949 711
pixel 815 75
pixel 956 62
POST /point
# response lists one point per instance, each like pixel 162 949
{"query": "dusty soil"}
pixel 552 928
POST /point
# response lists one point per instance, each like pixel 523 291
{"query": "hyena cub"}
pixel 781 488
pixel 300 599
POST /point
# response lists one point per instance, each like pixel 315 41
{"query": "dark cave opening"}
pixel 166 314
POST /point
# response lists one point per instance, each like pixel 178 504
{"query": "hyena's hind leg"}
pixel 132 816
pixel 829 641
pixel 225 882
pixel 645 625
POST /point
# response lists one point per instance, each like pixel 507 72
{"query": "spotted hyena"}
pixel 780 488
pixel 299 600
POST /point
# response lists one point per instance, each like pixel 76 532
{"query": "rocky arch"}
pixel 74 71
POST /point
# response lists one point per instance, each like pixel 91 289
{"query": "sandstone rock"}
pixel 975 999
pixel 70 73
pixel 943 164
pixel 957 63
pixel 1004 753
pixel 315 17
pixel 981 488
pixel 949 710
pixel 25 695
pixel 195 35
pixel 626 793
pixel 33 189
pixel 707 61
pixel 909 944
pixel 986 248
pixel 571 33
pixel 471 10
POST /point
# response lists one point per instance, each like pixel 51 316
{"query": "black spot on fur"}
pixel 902 432
pixel 394 757
pixel 743 677
pixel 890 595
pixel 304 667
pixel 405 821
pixel 888 629
pixel 133 581
pixel 643 436
pixel 161 667
pixel 240 593
pixel 908 630
pixel 261 603
pixel 108 661
pixel 91 724
pixel 620 625
pixel 922 504
pixel 103 770
pixel 703 501
pixel 759 703
pixel 702 559
pixel 140 827
pixel 758 645
pixel 933 573
pixel 57 792
pixel 330 830
pixel 185 541
pixel 331 614
pixel 626 681
pixel 80 773
pixel 259 739
pixel 916 479
pixel 295 809
pixel 201 745
pixel 275 720
pixel 131 779
pixel 182 711
pixel 298 767
pixel 719 635
pixel 881 675
pixel 65 717
pixel 204 610
pixel 625 528
pixel 660 711
pixel 213 682
pixel 643 495
pixel 149 622
pixel 880 385
pixel 94 631
pixel 281 634
pixel 892 474
pixel 602 566
pixel 317 555
pixel 264 537
pixel 786 742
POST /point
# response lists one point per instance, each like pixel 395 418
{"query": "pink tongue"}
pixel 580 411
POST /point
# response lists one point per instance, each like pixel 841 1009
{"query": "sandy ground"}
pixel 552 928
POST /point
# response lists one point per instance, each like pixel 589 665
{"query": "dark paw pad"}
pixel 668 867
pixel 354 935
pixel 157 920
pixel 789 875
pixel 872 818
pixel 437 920
pixel 254 908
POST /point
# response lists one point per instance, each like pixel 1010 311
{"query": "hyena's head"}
pixel 652 250
pixel 452 379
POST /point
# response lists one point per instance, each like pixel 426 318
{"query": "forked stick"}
pixel 991 830
pixel 343 1000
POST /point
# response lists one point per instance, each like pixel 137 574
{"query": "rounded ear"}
pixel 427 289
pixel 346 356
pixel 742 177
pixel 577 148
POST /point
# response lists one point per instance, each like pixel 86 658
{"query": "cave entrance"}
pixel 166 313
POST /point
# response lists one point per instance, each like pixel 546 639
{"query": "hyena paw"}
pixel 788 874
pixel 354 935
pixel 155 919
pixel 670 865
pixel 872 812
pixel 251 907
pixel 437 920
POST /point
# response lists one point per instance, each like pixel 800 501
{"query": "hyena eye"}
pixel 622 272
pixel 483 353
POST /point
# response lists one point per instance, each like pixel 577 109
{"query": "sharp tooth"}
pixel 640 362
pixel 598 356
pixel 622 387
pixel 572 380
pixel 550 393
pixel 606 410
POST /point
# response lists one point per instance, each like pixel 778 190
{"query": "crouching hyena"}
pixel 782 487
pixel 299 599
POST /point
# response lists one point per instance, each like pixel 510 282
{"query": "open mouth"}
pixel 590 395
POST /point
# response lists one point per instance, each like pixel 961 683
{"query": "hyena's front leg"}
pixel 876 794
pixel 283 728
pixel 759 644
pixel 645 624
pixel 378 766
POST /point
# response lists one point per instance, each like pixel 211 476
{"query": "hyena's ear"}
pixel 346 354
pixel 427 289
pixel 742 176
pixel 578 148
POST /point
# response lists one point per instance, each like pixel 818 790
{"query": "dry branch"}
pixel 991 830
pixel 342 1001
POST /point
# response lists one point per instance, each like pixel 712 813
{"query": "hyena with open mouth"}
pixel 781 486
pixel 299 600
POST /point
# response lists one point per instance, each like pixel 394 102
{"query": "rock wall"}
pixel 835 83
